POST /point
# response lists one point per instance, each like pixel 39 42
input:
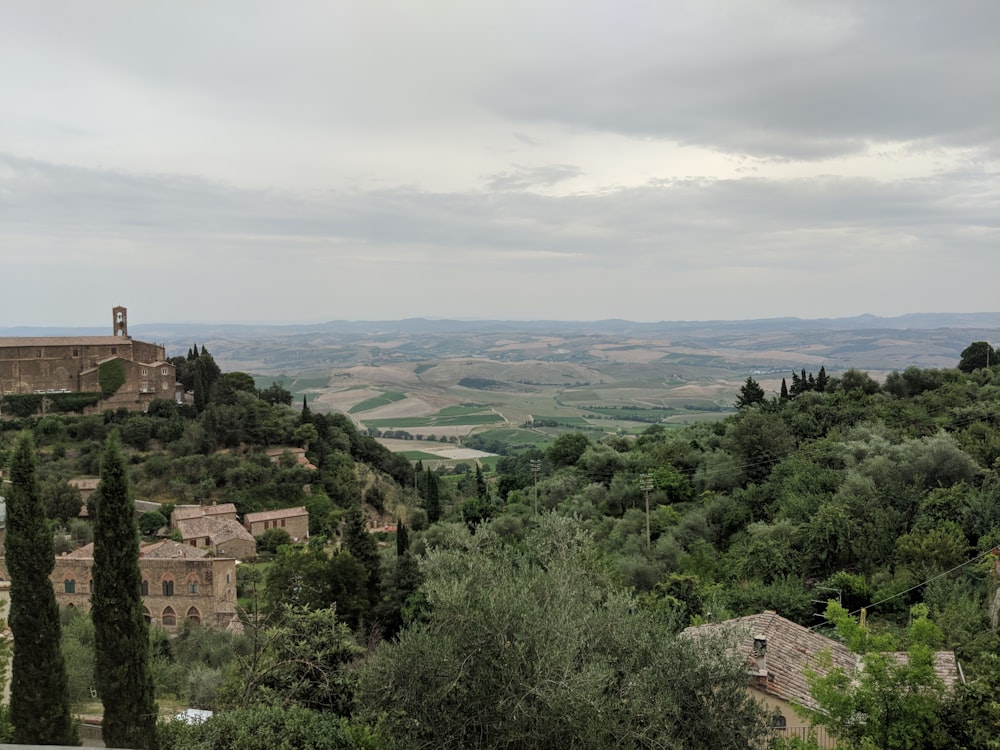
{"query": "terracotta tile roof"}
pixel 169 549
pixel 187 512
pixel 271 515
pixel 216 530
pixel 791 650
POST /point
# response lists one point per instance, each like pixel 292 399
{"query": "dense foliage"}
pixel 526 605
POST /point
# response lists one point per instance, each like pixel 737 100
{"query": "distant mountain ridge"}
pixel 171 331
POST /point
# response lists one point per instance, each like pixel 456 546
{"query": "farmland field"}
pixel 528 382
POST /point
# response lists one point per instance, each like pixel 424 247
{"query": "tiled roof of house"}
pixel 216 530
pixel 187 512
pixel 271 515
pixel 791 651
pixel 169 549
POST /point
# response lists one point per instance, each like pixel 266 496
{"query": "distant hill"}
pixel 864 341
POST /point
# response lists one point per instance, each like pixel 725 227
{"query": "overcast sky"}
pixel 291 161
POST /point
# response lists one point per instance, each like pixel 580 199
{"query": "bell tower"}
pixel 120 316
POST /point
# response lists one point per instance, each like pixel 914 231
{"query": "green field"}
pixel 386 398
pixel 419 456
pixel 436 421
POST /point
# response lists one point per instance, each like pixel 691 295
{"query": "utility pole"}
pixel 646 484
pixel 536 466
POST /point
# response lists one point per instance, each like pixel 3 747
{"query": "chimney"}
pixel 760 654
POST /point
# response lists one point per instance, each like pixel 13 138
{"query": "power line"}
pixel 912 588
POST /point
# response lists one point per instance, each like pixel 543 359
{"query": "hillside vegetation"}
pixel 515 604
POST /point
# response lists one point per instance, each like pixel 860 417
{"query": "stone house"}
pixel 189 512
pixel 224 537
pixel 778 653
pixel 293 520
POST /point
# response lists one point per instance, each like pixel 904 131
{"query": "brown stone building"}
pixel 293 520
pixel 72 364
pixel 179 582
pixel 189 512
pixel 223 536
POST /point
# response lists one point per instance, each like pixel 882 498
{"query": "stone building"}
pixel 179 582
pixel 189 512
pixel 293 520
pixel 72 364
pixel 223 536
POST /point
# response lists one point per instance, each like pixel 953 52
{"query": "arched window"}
pixel 168 587
pixel 192 584
pixel 70 585
pixel 146 616
pixel 169 618
pixel 779 721
pixel 194 614
pixel 145 587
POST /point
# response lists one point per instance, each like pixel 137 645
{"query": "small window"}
pixel 169 618
pixel 168 588
pixel 145 371
pixel 779 721
pixel 38 352
pixel 164 371
pixel 145 588
pixel 193 587
pixel 282 523
pixel 70 586
pixel 76 352
pixel 227 578
pixel 194 615
pixel 114 350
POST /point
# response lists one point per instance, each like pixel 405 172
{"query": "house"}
pixel 53 365
pixel 189 512
pixel 179 582
pixel 293 520
pixel 224 537
pixel 779 653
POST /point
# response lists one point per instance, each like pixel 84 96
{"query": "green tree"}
pixel 535 647
pixel 750 394
pixel 263 727
pixel 892 703
pixel 361 545
pixel 271 539
pixel 61 499
pixel 39 697
pixel 121 635
pixel 300 660
pixel 277 394
pixel 151 521
pixel 567 449
pixel 978 354
pixel 432 496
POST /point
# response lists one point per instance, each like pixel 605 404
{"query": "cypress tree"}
pixel 121 635
pixel 39 692
pixel 433 498
pixel 822 380
pixel 482 491
pixel 784 390
pixel 402 538
pixel 361 545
